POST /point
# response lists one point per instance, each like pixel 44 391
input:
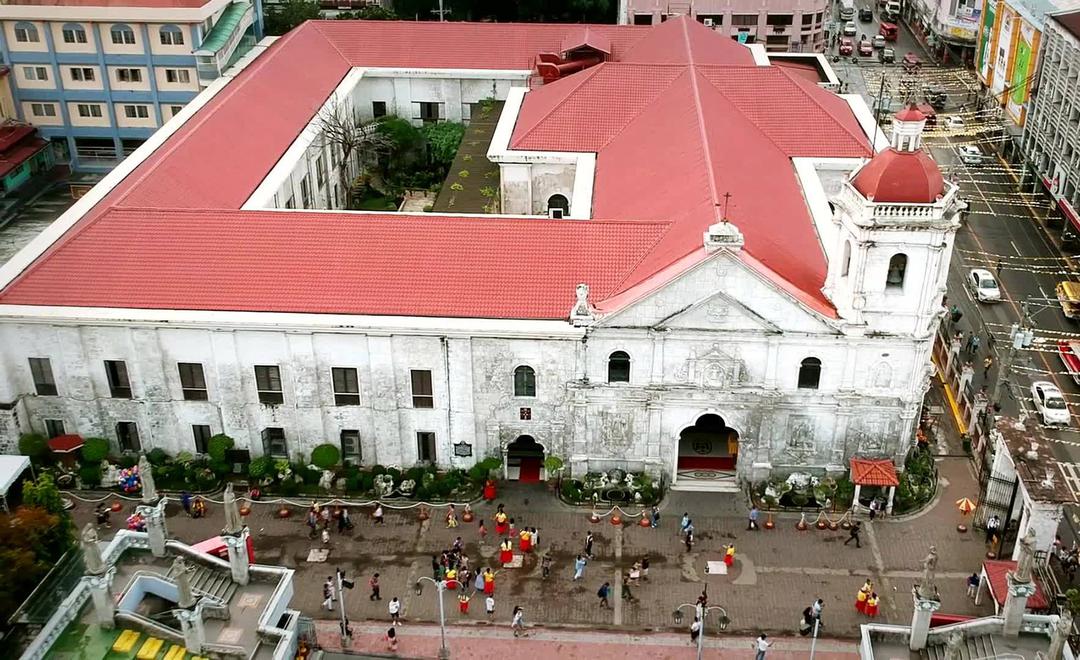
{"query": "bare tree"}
pixel 349 136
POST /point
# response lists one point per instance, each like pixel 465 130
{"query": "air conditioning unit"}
pixel 708 22
pixel 556 213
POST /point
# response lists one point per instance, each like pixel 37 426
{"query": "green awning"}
pixel 223 29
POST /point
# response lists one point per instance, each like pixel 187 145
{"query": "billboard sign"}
pixel 1023 69
pixel 987 42
pixel 1003 50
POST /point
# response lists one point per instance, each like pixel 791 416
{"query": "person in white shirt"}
pixel 489 605
pixel 518 623
pixel 762 645
pixel 695 630
pixel 395 610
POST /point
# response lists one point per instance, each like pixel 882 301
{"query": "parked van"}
pixel 1068 294
pixel 892 8
pixel 847 10
pixel 889 31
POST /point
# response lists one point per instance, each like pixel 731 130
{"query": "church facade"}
pixel 680 283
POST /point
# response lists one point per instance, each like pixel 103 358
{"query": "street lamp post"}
pixel 701 611
pixel 440 586
pixel 813 642
pixel 344 583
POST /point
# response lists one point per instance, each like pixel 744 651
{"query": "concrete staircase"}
pixel 973 648
pixel 217 583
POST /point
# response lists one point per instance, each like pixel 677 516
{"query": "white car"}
pixel 1050 404
pixel 878 41
pixel 955 123
pixel 983 286
pixel 850 29
pixel 971 155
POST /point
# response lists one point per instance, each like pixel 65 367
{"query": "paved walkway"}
pixel 776 574
pixel 498 643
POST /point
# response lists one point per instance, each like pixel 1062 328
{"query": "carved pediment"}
pixel 712 367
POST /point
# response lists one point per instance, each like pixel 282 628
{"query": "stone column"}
pixel 238 556
pixel 855 498
pixel 889 504
pixel 920 620
pixel 101 595
pixel 191 623
pixel 155 526
pixel 1016 604
pixel 1060 636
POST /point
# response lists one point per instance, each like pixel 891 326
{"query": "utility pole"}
pixel 1021 336
pixel 342 585
pixel 441 12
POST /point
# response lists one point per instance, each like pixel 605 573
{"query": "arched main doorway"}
pixel 708 449
pixel 524 459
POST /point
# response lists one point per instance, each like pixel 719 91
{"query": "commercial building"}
pixel 949 28
pixel 97 78
pixel 700 268
pixel 1051 142
pixel 797 26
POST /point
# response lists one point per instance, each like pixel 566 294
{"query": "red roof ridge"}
pixel 645 106
pixel 620 286
pixel 750 120
pixel 800 82
pixel 316 25
pixel 581 78
pixel 702 130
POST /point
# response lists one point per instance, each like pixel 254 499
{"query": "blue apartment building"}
pixel 98 77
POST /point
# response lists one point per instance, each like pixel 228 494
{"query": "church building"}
pixel 706 265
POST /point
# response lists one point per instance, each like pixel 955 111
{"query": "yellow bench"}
pixel 175 652
pixel 126 641
pixel 149 649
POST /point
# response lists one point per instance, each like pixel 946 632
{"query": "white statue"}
pixel 185 596
pixel 927 588
pixel 953 644
pixel 1027 557
pixel 233 524
pixel 146 476
pixel 95 565
pixel 326 481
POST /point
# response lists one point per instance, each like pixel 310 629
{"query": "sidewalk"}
pixel 483 642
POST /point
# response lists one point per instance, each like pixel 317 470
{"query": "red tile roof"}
pixel 18 155
pixel 995 574
pixel 63 444
pixel 680 107
pixel 868 472
pixel 900 177
pixel 586 37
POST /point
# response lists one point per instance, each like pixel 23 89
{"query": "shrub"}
pixel 90 475
pixel 367 481
pixel 94 450
pixel 289 487
pixel 352 481
pixel 326 456
pixel 128 460
pixel 309 476
pixel 416 474
pixel 166 473
pixel 376 470
pixel 443 140
pixel 571 492
pixel 220 468
pixel 261 467
pixel 395 473
pixel 33 445
pixel 157 456
pixel 218 446
pixel 478 474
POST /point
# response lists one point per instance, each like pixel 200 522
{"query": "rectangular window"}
pixel 26 35
pixel 122 35
pixel 346 386
pixel 54 428
pixel 268 383
pixel 119 385
pixel 192 381
pixel 177 76
pixel 74 36
pixel 35 73
pixel 320 171
pixel 779 19
pixel 350 447
pixel 201 433
pixel 127 434
pixel 89 110
pixel 305 193
pixel 172 38
pixel 378 109
pixel 807 19
pixel 425 447
pixel 136 112
pixel 82 74
pixel 290 203
pixel 43 109
pixel 744 19
pixel 129 75
pixel 41 370
pixel 429 112
pixel 274 443
pixel 422 396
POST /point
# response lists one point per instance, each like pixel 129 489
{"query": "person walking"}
pixel 545 566
pixel 482 531
pixel 588 545
pixel 395 611
pixel 328 594
pixel 655 522
pixel 684 523
pixel 761 644
pixel 626 594
pixel 518 622
pixel 976 341
pixel 752 519
pixel 973 585
pixel 343 521
pixel 374 584
pixel 603 593
pixel 992 527
pixel 695 630
pixel 816 609
pixel 489 607
pixel 378 515
pixel 451 517
pixel 806 624
pixel 391 639
pixel 535 539
pixel 689 539
pixel 853 535
pixel 312 522
pixel 988 362
pixel 463 602
pixel 645 568
pixel 579 566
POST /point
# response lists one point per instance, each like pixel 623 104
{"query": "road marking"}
pixel 1018 252
pixel 1071 472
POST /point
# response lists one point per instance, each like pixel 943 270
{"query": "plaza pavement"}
pixel 776 574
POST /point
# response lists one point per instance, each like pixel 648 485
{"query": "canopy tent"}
pixel 11 468
pixel 874 472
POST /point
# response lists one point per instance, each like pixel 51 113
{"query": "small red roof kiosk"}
pixel 874 472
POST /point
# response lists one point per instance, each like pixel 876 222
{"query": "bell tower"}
pixel 897 220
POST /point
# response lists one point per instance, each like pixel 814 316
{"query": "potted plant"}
pixel 553 466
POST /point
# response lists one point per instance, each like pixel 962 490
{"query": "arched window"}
pixel 26 33
pixel 845 264
pixel 618 367
pixel 524 381
pixel 809 374
pixel 897 268
pixel 74 33
pixel 558 206
pixel 122 34
pixel 171 36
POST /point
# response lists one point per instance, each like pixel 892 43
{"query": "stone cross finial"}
pixel 582 312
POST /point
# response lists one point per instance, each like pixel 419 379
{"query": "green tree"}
pixel 280 18
pixel 34 445
pixel 218 446
pixel 356 142
pixel 94 450
pixel 31 542
pixel 372 13
pixel 443 140
pixel 325 456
